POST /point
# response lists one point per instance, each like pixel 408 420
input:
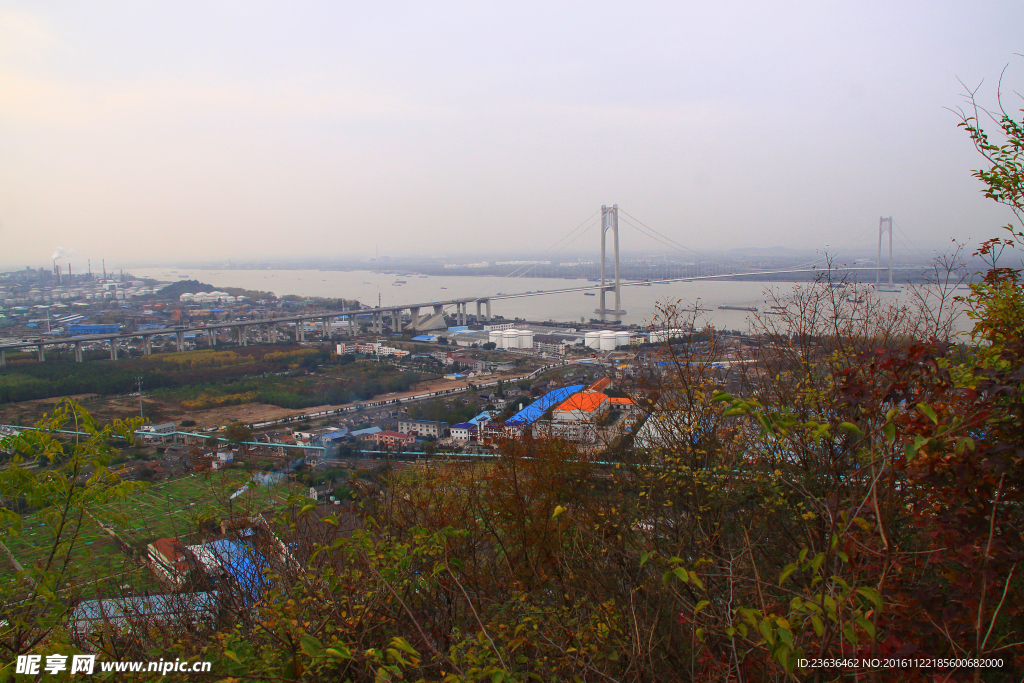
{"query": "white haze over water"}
pixel 640 302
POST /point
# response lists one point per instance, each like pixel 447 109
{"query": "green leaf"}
pixel 404 646
pixel 681 574
pixel 696 580
pixel 644 556
pixel 231 655
pixel 307 508
pixel 927 410
pixel 817 561
pixel 871 594
pixel 700 635
pixel 868 627
pixel 338 654
pixel 721 396
pixel 919 442
pixel 890 432
pixel 819 627
pixel 790 568
pixel 786 637
pixel 701 605
pixel 850 427
pixel 310 645
pixel 497 677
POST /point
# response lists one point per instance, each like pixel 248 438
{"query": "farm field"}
pixel 171 508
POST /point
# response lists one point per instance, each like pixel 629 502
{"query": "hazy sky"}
pixel 148 132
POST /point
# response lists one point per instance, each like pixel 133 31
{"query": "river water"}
pixel 640 302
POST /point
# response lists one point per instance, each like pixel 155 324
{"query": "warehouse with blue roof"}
pixel 535 410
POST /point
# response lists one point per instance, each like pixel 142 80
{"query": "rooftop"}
pixel 530 413
pixel 585 401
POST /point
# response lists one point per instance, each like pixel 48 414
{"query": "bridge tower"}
pixel 610 221
pixel 884 226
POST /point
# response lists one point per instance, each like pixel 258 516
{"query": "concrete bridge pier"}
pixel 243 335
pixel 42 353
pixel 147 345
pixel 180 339
pixel 352 325
pixel 326 328
pixel 113 348
pixel 78 352
pixel 3 358
pixel 414 317
pixel 487 315
pixel 478 318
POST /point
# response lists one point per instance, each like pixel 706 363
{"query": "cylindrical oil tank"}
pixel 607 341
pixel 525 339
pixel 495 336
pixel 621 339
pixel 592 340
pixel 511 339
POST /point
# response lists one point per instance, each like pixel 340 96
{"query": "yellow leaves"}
pixel 559 511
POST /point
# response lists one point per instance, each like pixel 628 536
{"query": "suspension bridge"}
pixel 432 315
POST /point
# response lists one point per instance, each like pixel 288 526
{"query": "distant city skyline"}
pixel 200 133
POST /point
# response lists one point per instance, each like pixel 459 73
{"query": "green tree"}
pixel 237 432
pixel 64 482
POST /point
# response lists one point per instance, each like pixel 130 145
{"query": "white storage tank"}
pixel 607 341
pixel 496 337
pixel 592 340
pixel 525 339
pixel 511 339
pixel 621 339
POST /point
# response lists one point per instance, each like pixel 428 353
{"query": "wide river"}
pixel 640 302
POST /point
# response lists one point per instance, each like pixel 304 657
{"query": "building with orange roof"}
pixel 578 416
pixel 586 405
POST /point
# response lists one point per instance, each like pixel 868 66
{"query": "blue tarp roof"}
pixel 533 411
pixel 368 430
pixel 425 337
pixel 240 562
pixel 486 415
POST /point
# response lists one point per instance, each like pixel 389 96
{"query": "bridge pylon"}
pixel 884 226
pixel 610 221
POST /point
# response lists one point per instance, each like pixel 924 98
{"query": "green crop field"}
pixel 171 508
